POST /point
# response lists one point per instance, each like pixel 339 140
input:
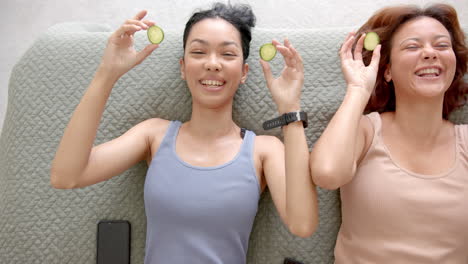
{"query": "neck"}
pixel 211 123
pixel 419 120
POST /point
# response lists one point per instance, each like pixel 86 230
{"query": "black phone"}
pixel 291 261
pixel 113 242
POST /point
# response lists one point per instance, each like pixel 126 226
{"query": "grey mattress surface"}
pixel 39 224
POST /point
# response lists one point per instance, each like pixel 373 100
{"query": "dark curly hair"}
pixel 385 23
pixel 240 16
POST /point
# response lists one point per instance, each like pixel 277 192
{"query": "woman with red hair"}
pixel 402 169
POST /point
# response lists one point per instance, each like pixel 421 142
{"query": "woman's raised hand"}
pixel 358 76
pixel 286 89
pixel 120 55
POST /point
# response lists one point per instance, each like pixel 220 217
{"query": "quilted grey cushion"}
pixel 39 224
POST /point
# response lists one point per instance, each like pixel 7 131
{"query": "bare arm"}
pixel 291 182
pixel 77 163
pixel 335 156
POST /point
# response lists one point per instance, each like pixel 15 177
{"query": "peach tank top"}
pixel 392 215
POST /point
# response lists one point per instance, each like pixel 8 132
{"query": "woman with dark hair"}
pixel 205 176
pixel 402 170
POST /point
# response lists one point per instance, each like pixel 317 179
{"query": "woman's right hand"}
pixel 120 55
pixel 286 89
pixel 357 75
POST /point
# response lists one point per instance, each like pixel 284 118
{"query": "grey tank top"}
pixel 199 214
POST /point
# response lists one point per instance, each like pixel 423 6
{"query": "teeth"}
pixel 428 71
pixel 212 83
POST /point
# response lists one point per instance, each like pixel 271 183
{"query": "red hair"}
pixel 385 23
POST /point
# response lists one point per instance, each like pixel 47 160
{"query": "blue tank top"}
pixel 199 214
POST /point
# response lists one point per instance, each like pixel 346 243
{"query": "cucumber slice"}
pixel 155 34
pixel 267 52
pixel 371 41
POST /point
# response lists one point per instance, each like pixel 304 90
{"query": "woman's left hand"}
pixel 286 89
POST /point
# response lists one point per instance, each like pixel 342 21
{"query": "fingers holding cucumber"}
pixel 355 71
pixel 267 51
pixel 120 54
pixel 371 41
pixel 286 88
pixel 367 41
pixel 291 56
pixel 357 55
pixel 130 26
pixel 155 34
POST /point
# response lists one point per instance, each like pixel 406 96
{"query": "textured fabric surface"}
pixel 39 224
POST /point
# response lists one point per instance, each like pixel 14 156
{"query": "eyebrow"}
pixel 418 39
pixel 224 43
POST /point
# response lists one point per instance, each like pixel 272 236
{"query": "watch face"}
pixel 292 117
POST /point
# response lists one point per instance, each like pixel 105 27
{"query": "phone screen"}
pixel 113 242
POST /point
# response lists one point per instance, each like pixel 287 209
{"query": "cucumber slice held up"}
pixel 267 52
pixel 371 41
pixel 155 34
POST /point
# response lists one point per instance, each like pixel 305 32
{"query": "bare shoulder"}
pixel 153 126
pixel 265 145
pixel 265 141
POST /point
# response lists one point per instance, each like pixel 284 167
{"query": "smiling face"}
pixel 422 61
pixel 213 64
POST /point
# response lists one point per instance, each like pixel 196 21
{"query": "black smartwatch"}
pixel 285 119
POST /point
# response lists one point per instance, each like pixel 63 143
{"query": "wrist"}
pixel 359 91
pixel 106 75
pixel 357 97
pixel 289 108
pixel 293 125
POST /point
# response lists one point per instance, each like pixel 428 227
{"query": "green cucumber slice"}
pixel 267 52
pixel 155 34
pixel 371 41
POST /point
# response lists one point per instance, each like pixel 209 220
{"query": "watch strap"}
pixel 285 119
